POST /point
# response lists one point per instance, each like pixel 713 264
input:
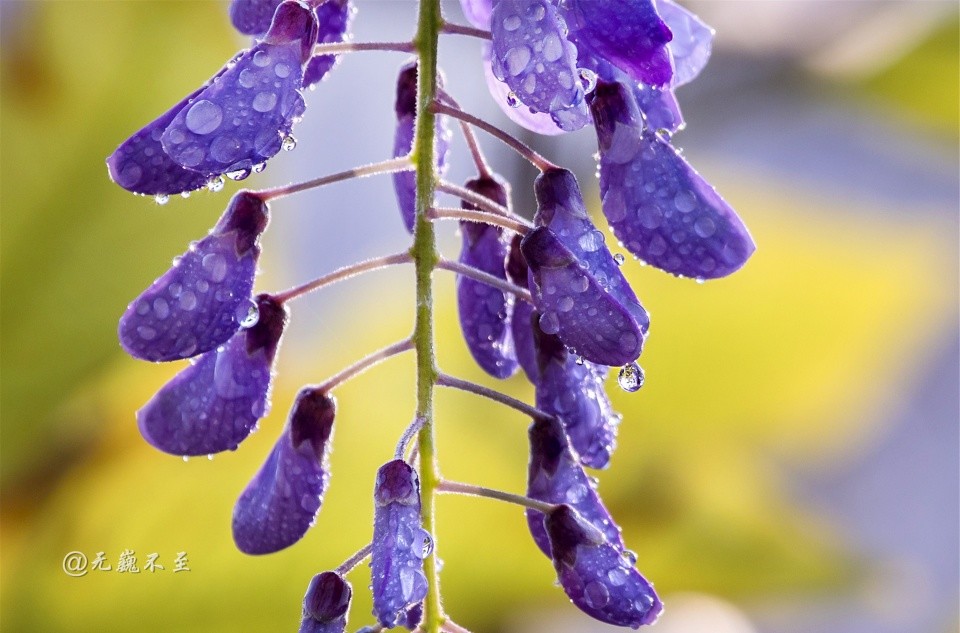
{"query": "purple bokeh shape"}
pixel 333 18
pixel 521 320
pixel 691 44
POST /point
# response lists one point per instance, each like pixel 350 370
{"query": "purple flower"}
pixel 659 207
pixel 252 17
pixel 399 544
pixel 333 17
pixel 596 575
pixel 405 182
pixel 556 476
pixel 579 289
pixel 532 55
pixel 216 402
pixel 485 311
pixel 521 320
pixel 205 297
pixel 539 122
pixel 282 501
pixel 573 391
pixel 326 604
pixel 629 34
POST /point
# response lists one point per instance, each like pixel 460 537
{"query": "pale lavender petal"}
pixel 691 44
pixel 240 120
pixel 658 206
pixel 533 56
pixel 326 604
pixel 333 17
pixel 216 402
pixel 596 575
pixel 556 476
pixel 539 122
pixel 282 501
pixel 252 17
pixel 399 544
pixel 627 33
pixel 477 12
pixel 205 297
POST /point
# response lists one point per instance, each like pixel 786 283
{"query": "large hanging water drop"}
pixel 631 377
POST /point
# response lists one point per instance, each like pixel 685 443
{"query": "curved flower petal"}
pixel 252 17
pixel 596 575
pixel 659 207
pixel 282 501
pixel 326 604
pixel 556 476
pixel 215 403
pixel 204 298
pixel 660 109
pixel 333 18
pixel 521 320
pixel 532 55
pixel 241 119
pixel 573 391
pixel 399 544
pixel 579 289
pixel 539 122
pixel 628 33
pixel 485 311
pixel 477 12
pixel 405 182
pixel 691 44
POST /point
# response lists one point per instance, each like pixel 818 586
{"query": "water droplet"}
pixel 261 59
pixel 259 167
pixel 704 226
pixel 239 174
pixel 631 377
pixel 596 595
pixel 684 202
pixel 185 194
pixel 591 241
pixel 210 457
pixel 619 258
pixel 565 304
pixel 264 101
pixel 188 300
pixel 549 323
pixel 512 22
pixel 512 100
pixel 617 576
pixel 517 59
pixel 161 198
pixel 186 458
pixel 215 183
pixel 247 314
pixel 216 266
pixel 147 333
pixel 289 143
pixel 161 308
pixel 282 70
pixel 247 78
pixel 579 360
pixel 588 79
pixel 203 117
pixel 552 47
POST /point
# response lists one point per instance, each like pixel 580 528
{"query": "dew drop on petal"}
pixel 512 100
pixel 204 117
pixel 161 198
pixel 512 22
pixel 630 377
pixel 619 258
pixel 264 101
pixel 215 183
pixel 289 143
pixel 247 314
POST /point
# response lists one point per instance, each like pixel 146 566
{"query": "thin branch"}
pixel 485 278
pixel 461 29
pixel 408 435
pixel 452 213
pixel 354 560
pixel 474 198
pixel 519 146
pixel 483 167
pixel 456 487
pixel 383 167
pixel 335 48
pixel 343 273
pixel 366 363
pixel 446 380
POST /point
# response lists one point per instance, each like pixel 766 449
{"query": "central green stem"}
pixel 426 257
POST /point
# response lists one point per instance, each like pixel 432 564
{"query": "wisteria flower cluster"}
pixel 546 296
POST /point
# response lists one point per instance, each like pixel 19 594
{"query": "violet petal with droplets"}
pixel 240 120
pixel 660 108
pixel 691 43
pixel 282 501
pixel 216 402
pixel 399 543
pixel 333 18
pixel 485 311
pixel 658 206
pixel 596 575
pixel 204 298
pixel 629 34
pixel 326 604
pixel 556 476
pixel 521 320
pixel 579 289
pixel 539 122
pixel 532 55
pixel 252 17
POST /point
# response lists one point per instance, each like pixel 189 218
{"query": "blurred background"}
pixel 791 464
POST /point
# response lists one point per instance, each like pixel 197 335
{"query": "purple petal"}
pixel 660 108
pixel 333 17
pixel 579 289
pixel 326 604
pixel 240 120
pixel 556 476
pixel 215 403
pixel 532 55
pixel 477 12
pixel 252 17
pixel 628 33
pixel 204 298
pixel 539 122
pixel 399 544
pixel 574 392
pixel 658 206
pixel 412 618
pixel 485 311
pixel 521 321
pixel 691 44
pixel 596 575
pixel 140 165
pixel 283 499
pixel 405 182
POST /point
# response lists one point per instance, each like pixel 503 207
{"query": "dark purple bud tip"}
pixel 205 297
pixel 216 402
pixel 294 22
pixel 282 501
pixel 412 618
pixel 326 604
pixel 659 207
pixel 399 544
pixel 252 17
pixel 556 476
pixel 597 576
pixel 333 18
pixel 405 103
